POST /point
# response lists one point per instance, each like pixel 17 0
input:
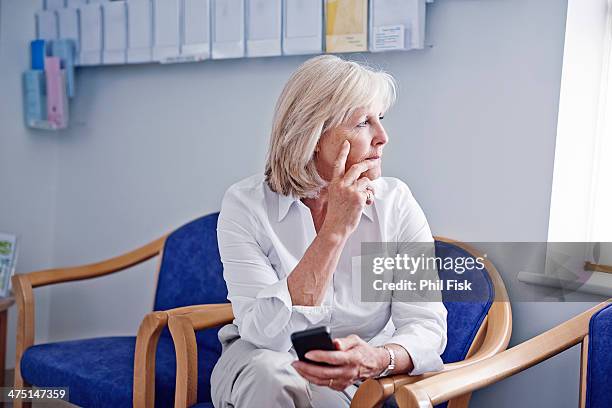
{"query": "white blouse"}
pixel 262 237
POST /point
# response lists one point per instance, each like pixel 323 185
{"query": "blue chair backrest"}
pixel 191 271
pixel 464 317
pixel 599 362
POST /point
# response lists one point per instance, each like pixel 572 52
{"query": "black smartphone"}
pixel 317 338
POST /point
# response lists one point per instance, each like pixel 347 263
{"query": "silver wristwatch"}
pixel 391 365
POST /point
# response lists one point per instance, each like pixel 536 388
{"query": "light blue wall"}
pixel 153 146
pixel 28 165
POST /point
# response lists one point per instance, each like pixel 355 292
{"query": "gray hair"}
pixel 322 94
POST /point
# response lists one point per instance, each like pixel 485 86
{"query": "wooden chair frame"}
pixel 443 387
pixel 492 337
pixel 148 333
pixel 183 327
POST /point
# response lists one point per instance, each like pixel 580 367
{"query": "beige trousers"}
pixel 246 376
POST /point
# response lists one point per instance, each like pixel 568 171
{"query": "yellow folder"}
pixel 346 25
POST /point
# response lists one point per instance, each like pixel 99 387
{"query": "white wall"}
pixel 28 165
pixel 153 146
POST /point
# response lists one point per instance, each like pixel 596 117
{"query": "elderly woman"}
pixel 287 241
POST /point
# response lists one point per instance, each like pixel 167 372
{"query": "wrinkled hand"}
pixel 353 360
pixel 348 193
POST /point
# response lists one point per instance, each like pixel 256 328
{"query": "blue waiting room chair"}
pixel 478 328
pixel 132 370
pixel 592 329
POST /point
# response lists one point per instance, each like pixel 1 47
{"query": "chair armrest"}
pixel 183 325
pixel 492 337
pixel 444 386
pixel 149 331
pixel 118 263
pixel 194 311
pixel 373 392
pixel 24 283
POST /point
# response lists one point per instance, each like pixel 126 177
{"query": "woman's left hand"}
pixel 353 360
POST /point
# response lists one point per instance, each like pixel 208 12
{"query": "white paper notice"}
pixel 417 33
pixel 397 24
pixel 264 20
pixel 91 34
pixel 389 37
pixel 68 23
pixel 54 4
pixel 228 29
pixel 196 29
pixel 46 25
pixel 303 27
pixel 115 32
pixel 166 37
pixel 75 3
pixel 140 33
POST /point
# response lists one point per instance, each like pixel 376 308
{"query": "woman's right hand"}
pixel 347 195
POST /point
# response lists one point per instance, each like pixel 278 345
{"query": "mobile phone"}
pixel 317 338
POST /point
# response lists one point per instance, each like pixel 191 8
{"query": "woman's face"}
pixel 367 137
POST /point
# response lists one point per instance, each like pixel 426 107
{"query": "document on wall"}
pixel 417 33
pixel 263 27
pixel 346 25
pixel 140 33
pixel 75 3
pixel 228 29
pixel 68 23
pixel 303 26
pixel 91 34
pixel 115 32
pixel 54 4
pixel 196 30
pixel 166 34
pixel 396 24
pixel 46 25
pixel 8 260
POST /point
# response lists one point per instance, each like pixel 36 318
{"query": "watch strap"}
pixel 391 365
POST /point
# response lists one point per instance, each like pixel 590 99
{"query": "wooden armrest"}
pixel 183 325
pixel 375 391
pixel 442 387
pixel 144 358
pixel 201 310
pixel 146 346
pixel 118 263
pixel 492 337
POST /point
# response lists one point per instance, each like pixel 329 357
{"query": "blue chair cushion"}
pixel 599 362
pixel 99 372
